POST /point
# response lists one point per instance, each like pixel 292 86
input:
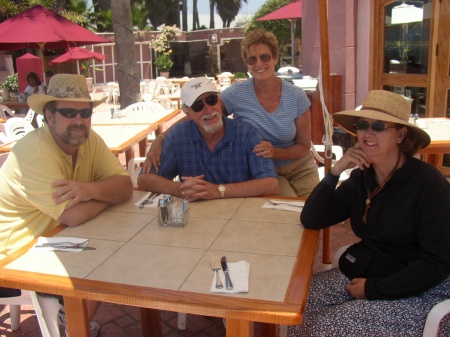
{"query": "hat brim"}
pixel 347 119
pixel 38 101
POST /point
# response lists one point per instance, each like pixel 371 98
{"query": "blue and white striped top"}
pixel 277 127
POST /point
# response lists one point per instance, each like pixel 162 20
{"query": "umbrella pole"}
pixel 292 41
pixel 325 60
pixel 41 50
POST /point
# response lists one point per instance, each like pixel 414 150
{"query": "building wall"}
pixel 348 30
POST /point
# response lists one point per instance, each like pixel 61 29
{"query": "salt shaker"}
pixel 163 213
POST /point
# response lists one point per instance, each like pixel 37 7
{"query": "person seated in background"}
pixel 35 86
pixel 399 207
pixel 61 173
pixel 212 155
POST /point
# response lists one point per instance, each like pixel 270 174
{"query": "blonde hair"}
pixel 259 36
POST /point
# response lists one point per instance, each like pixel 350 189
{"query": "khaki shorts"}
pixel 302 176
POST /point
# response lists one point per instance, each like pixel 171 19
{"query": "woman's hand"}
pixel 153 157
pixel 356 288
pixel 264 149
pixel 354 156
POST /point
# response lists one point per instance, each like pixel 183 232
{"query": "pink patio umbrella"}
pixel 78 54
pixel 39 27
pixel 291 12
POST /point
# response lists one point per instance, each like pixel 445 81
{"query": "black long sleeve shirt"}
pixel 409 220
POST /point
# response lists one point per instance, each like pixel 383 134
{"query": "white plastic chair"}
pixel 17 127
pixel 338 153
pixel 30 116
pixel 40 120
pixel 3 138
pixel 436 314
pixel 46 309
pixel 3 158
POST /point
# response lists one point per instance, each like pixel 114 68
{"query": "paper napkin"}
pixel 239 273
pixel 155 200
pixel 284 205
pixel 59 239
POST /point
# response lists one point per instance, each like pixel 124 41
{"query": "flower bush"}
pixel 163 61
pixel 162 47
pixel 11 83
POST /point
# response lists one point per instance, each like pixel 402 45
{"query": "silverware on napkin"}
pixel 228 282
pixel 276 203
pixel 56 246
pixel 149 199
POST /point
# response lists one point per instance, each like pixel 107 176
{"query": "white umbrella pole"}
pixel 78 67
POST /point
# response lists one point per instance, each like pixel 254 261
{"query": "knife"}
pixel 65 247
pixel 150 197
pixel 228 282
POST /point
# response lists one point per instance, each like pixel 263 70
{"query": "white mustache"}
pixel 210 116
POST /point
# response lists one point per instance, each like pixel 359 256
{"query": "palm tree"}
pixel 228 10
pixel 126 57
pixel 212 4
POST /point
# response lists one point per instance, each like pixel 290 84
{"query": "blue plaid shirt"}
pixel 185 153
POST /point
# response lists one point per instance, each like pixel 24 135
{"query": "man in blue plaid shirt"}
pixel 212 155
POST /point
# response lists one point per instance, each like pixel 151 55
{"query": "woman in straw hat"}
pixel 399 207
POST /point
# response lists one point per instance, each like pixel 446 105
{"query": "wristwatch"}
pixel 221 189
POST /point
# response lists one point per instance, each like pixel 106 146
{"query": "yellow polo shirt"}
pixel 27 209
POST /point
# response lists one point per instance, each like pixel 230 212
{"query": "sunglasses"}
pixel 377 126
pixel 211 100
pixel 251 60
pixel 72 113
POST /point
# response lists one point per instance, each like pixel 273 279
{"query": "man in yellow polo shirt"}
pixel 61 173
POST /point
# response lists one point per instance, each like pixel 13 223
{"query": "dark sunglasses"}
pixel 251 60
pixel 211 100
pixel 72 113
pixel 377 126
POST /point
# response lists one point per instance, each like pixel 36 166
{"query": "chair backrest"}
pixel 4 108
pixel 16 128
pixel 3 138
pixel 164 102
pixel 335 149
pixel 30 116
pixel 144 106
pixel 40 120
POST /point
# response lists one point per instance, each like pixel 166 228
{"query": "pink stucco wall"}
pixel 348 28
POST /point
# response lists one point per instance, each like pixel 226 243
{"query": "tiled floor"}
pixel 124 321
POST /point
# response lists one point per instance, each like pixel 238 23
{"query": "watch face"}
pixel 221 188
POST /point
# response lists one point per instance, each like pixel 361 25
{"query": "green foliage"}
pixel 281 28
pixel 85 68
pixel 139 15
pixel 239 74
pixel 11 82
pixel 163 61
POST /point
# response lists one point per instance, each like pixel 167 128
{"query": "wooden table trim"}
pixel 239 312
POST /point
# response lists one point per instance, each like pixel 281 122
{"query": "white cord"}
pixel 327 139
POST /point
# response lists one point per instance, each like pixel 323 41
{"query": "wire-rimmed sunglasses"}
pixel 377 126
pixel 199 104
pixel 251 60
pixel 72 113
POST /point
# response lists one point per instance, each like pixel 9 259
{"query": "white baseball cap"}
pixel 196 87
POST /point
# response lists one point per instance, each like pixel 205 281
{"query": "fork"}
pixel 149 199
pixel 67 243
pixel 215 265
pixel 281 203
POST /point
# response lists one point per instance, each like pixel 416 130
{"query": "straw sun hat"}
pixel 384 106
pixel 63 87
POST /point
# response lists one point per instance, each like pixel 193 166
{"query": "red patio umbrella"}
pixel 291 12
pixel 78 54
pixel 39 27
